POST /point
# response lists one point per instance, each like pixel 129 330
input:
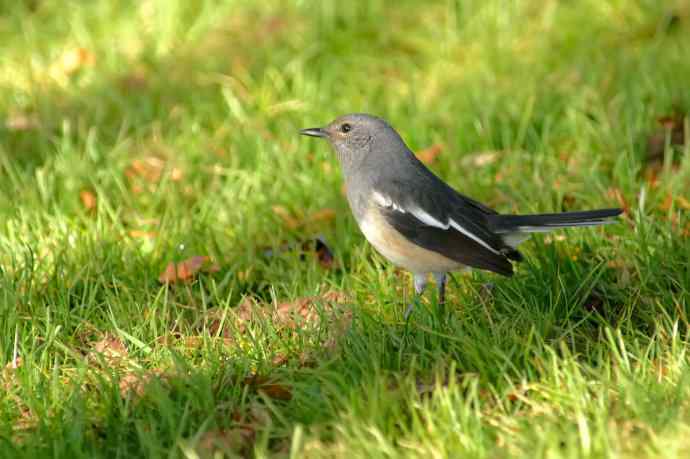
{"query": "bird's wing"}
pixel 445 222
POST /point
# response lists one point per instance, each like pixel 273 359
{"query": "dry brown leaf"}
pixel 271 389
pixel 568 202
pixel 680 202
pixel 518 393
pixel 14 363
pixel 150 169
pixel 22 122
pixel 8 376
pixel 651 175
pixel 289 221
pixel 667 203
pixel 321 216
pixel 277 391
pixel 186 270
pixel 617 195
pixel 111 349
pixel 683 202
pixel 142 234
pixel 305 311
pixel 133 383
pixel 238 439
pixel 292 222
pixel 429 155
pixel 88 199
pixel 26 421
pixel 237 318
pixel 279 360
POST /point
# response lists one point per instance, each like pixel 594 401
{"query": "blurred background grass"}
pixel 140 133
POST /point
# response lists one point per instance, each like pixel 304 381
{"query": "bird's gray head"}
pixel 358 136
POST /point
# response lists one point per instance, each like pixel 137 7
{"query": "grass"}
pixel 142 133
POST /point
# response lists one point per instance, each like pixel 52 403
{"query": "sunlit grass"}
pixel 180 122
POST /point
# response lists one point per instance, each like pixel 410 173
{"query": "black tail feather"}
pixel 547 222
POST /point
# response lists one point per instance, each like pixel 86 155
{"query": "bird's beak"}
pixel 314 132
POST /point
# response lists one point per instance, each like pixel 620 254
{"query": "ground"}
pixel 180 275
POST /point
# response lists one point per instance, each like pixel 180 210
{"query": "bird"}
pixel 419 222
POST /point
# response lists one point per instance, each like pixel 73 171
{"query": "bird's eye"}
pixel 345 127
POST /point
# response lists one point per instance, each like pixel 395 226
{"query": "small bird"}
pixel 416 220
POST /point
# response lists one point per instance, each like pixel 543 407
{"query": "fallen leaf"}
pixel 88 199
pixel 518 393
pixel 305 311
pixel 321 215
pixel 134 383
pixel 271 389
pixel 289 221
pixel 142 234
pixel 683 202
pixel 22 122
pixel 111 349
pixel 216 442
pixel 279 360
pixel 617 195
pixel 277 391
pixel 651 175
pixel 568 202
pixel 150 169
pixel 14 363
pixel 24 423
pixel 667 203
pixel 429 155
pixel 186 270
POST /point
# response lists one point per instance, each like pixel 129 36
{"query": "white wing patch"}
pixel 385 201
pixel 426 218
pixel 514 239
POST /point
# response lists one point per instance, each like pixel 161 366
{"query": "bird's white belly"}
pixel 396 248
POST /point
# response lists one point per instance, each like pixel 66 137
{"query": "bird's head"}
pixel 356 136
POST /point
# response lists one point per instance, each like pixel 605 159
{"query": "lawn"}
pixel 180 274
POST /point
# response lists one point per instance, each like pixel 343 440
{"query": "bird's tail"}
pixel 515 228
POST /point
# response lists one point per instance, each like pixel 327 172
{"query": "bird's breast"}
pixel 390 243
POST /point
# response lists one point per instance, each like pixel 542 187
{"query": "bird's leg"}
pixel 419 286
pixel 441 287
